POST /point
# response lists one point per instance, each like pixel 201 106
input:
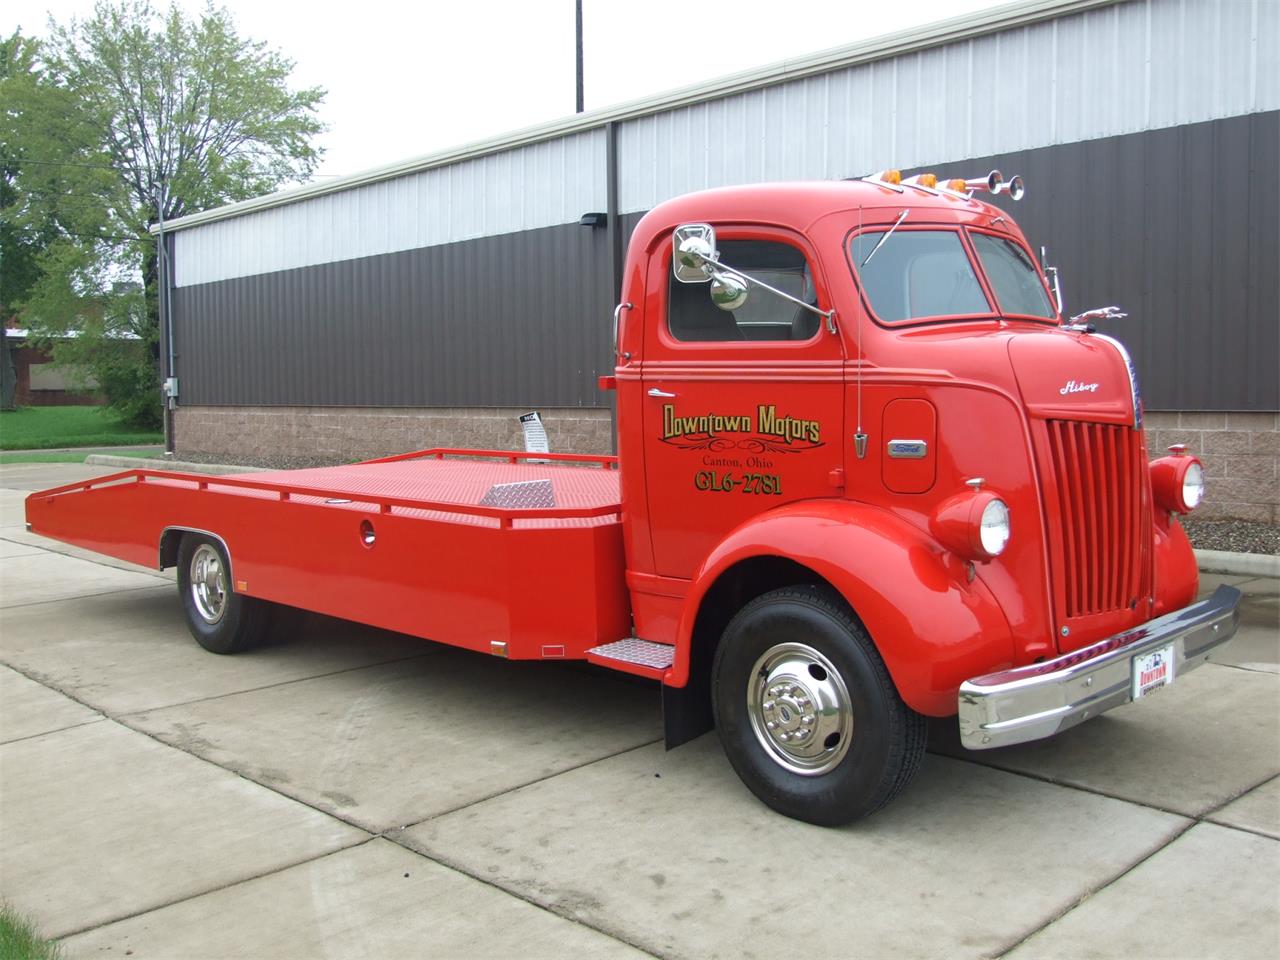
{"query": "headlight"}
pixel 974 525
pixel 1193 486
pixel 1177 482
pixel 995 528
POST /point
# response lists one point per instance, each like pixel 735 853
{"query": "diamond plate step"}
pixel 634 655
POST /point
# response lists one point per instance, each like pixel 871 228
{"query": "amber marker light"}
pixel 956 186
pixel 1177 481
pixel 891 176
pixel 929 180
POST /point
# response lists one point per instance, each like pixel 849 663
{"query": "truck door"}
pixel 743 410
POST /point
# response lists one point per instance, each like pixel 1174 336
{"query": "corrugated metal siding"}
pixel 1178 226
pixel 518 319
pixel 541 185
pixel 1116 70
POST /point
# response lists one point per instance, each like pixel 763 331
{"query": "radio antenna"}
pixel 860 437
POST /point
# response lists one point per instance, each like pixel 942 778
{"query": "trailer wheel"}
pixel 221 620
pixel 807 712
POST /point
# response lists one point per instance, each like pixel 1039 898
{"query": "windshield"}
pixel 917 273
pixel 1013 277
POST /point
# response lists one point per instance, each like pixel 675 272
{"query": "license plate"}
pixel 1151 671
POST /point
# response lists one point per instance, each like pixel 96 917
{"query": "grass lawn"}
pixel 41 428
pixel 19 941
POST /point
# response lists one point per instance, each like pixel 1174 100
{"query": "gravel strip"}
pixel 1234 536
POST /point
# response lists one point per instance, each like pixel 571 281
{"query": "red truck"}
pixel 866 475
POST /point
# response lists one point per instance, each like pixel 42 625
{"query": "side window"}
pixel 693 318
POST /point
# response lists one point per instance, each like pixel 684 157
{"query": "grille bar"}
pixel 1099 506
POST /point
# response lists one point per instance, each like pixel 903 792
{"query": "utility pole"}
pixel 579 24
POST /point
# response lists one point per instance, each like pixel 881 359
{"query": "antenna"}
pixel 860 437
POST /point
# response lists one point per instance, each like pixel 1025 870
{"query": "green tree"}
pixel 126 118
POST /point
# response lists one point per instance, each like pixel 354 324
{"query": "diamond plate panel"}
pixel 634 650
pixel 521 494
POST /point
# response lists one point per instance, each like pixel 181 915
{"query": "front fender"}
pixel 933 627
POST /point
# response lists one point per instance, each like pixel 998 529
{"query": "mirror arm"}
pixel 828 315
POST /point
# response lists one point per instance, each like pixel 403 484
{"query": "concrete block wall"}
pixel 1240 452
pixel 341 434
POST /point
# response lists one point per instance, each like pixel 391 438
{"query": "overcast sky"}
pixel 410 79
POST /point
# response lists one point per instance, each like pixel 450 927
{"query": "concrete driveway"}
pixel 345 792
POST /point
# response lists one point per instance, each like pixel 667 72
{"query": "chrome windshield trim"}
pixel 1134 392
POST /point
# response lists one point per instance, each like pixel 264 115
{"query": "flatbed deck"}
pixel 476 548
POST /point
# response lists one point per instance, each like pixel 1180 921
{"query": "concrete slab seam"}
pixel 518 895
pixel 223 886
pixel 1043 778
pixel 45 733
pixel 513 789
pixel 272 686
pixel 84 596
pixel 114 565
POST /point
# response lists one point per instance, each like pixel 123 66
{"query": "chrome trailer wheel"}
pixel 221 620
pixel 208 580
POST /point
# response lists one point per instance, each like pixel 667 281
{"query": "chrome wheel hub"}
pixel 208 584
pixel 799 708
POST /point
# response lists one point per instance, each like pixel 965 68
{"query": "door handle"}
pixel 655 392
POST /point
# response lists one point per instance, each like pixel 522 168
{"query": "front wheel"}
pixel 807 712
pixel 221 620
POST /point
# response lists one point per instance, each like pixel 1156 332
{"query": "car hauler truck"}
pixel 866 475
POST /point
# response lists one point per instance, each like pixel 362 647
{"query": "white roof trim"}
pixel 936 34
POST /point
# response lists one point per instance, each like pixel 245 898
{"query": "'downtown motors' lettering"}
pixel 766 421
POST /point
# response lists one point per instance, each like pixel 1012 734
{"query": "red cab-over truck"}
pixel 866 475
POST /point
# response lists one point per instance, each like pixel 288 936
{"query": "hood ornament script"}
pixel 1074 386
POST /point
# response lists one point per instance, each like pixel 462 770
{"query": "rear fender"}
pixel 933 627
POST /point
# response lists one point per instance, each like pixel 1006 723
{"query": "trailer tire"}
pixel 221 620
pixel 807 712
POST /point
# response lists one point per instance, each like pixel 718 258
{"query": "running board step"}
pixel 633 655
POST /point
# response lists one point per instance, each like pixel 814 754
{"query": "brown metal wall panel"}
pixel 1178 226
pixel 519 319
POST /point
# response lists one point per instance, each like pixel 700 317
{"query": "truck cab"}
pixel 859 397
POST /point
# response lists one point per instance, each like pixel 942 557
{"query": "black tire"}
pixel 843 763
pixel 221 620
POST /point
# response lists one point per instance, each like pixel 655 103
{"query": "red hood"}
pixel 1065 376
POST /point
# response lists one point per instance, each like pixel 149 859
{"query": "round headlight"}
pixel 995 527
pixel 1193 486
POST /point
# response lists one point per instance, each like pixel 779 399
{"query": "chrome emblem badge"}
pixel 1075 386
pixel 908 449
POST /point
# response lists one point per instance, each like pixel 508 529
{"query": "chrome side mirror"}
pixel 693 251
pixel 728 290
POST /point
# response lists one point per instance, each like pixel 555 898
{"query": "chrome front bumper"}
pixel 1041 699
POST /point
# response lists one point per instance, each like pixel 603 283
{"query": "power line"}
pixel 19 161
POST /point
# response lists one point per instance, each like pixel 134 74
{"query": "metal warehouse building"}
pixel 429 303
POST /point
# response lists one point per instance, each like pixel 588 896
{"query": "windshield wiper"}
pixel 901 217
